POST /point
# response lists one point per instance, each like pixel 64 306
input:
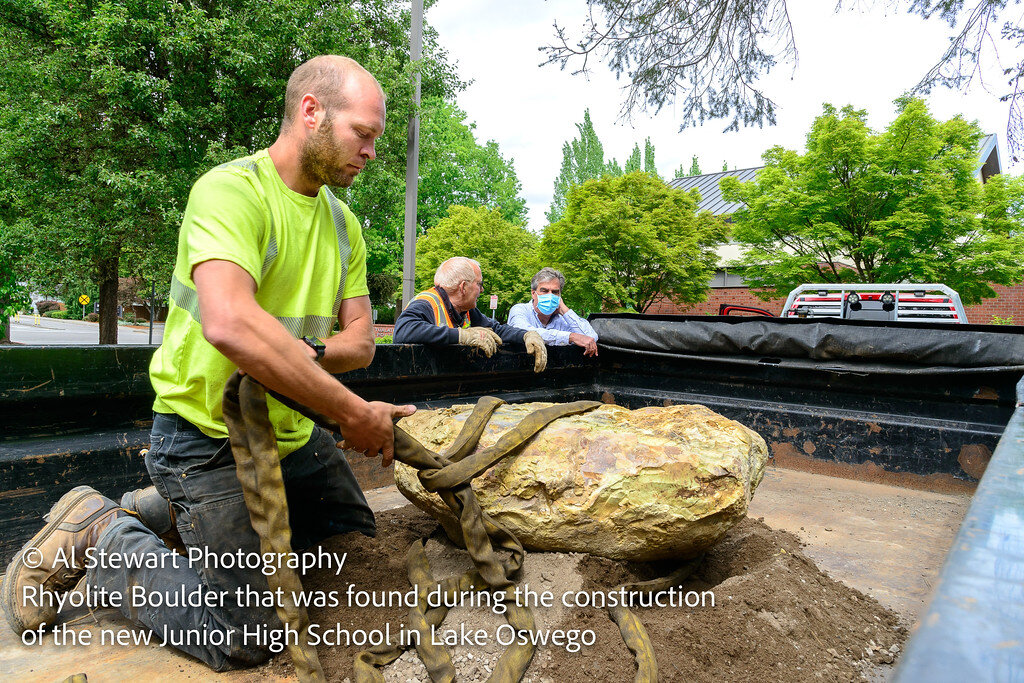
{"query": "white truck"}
pixel 929 303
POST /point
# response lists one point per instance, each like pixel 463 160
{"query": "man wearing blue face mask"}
pixel 548 315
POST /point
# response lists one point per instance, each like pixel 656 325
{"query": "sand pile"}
pixel 775 615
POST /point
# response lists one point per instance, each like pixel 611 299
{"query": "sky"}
pixel 866 58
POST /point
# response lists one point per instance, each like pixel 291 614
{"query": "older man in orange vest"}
pixel 447 314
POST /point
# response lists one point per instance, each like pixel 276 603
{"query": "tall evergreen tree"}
pixel 634 161
pixel 582 159
pixel 649 167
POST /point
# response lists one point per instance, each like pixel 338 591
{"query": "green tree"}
pixel 624 241
pixel 694 167
pixel 901 205
pixel 725 166
pixel 707 55
pixel 110 111
pixel 456 170
pixel 13 296
pixel 582 159
pixel 649 167
pixel 504 250
pixel 635 161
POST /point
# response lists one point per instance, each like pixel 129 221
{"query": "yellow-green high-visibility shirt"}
pixel 306 254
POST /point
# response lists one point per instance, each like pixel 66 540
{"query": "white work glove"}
pixel 535 345
pixel 483 338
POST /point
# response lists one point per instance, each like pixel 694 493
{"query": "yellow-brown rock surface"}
pixel 642 484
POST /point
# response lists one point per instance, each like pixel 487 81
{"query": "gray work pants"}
pixel 197 474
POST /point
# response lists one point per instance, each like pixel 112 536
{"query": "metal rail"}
pixel 835 310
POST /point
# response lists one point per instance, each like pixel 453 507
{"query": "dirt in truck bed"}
pixel 775 615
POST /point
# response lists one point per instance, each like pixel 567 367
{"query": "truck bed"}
pixel 933 418
pixel 856 531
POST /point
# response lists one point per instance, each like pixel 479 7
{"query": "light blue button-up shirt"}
pixel 558 329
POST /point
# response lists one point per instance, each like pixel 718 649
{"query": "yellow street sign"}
pixel 84 299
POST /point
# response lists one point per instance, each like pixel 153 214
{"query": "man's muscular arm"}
pixel 353 347
pixel 257 343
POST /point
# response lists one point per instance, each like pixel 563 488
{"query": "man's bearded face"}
pixel 327 160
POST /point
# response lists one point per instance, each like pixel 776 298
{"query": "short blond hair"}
pixel 324 78
pixel 454 271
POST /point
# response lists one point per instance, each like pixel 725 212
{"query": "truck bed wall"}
pixel 80 415
pixel 77 415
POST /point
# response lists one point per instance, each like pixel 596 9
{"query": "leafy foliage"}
pixel 13 297
pixel 710 53
pixel 623 241
pixel 707 55
pixel 456 170
pixel 634 163
pixel 985 31
pixel 110 111
pixel 504 250
pixel 694 169
pixel 583 159
pixel 649 166
pixel 901 205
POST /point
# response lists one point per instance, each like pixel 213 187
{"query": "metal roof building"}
pixel 988 158
pixel 710 194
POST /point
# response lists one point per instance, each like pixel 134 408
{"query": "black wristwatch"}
pixel 317 344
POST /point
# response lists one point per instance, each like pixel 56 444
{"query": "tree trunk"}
pixel 108 300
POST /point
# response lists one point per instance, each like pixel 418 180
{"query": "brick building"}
pixel 729 288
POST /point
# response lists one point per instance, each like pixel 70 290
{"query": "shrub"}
pixel 385 316
pixel 386 339
pixel 93 317
pixel 63 315
pixel 996 320
pixel 45 306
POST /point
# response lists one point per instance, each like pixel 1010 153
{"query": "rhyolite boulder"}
pixel 645 484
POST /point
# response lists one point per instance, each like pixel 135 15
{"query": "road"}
pixel 29 329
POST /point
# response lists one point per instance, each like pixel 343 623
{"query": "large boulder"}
pixel 642 484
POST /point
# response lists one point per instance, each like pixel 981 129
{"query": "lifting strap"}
pixel 449 475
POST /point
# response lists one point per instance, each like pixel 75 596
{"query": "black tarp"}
pixel 846 345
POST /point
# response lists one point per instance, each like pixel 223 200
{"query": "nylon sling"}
pixel 449 475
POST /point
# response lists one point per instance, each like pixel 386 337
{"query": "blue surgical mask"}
pixel 547 303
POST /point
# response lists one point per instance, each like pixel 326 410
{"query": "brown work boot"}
pixel 151 508
pixel 54 560
pixel 156 514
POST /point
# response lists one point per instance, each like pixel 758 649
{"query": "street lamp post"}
pixel 412 166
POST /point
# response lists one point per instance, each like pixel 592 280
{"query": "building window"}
pixel 723 278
